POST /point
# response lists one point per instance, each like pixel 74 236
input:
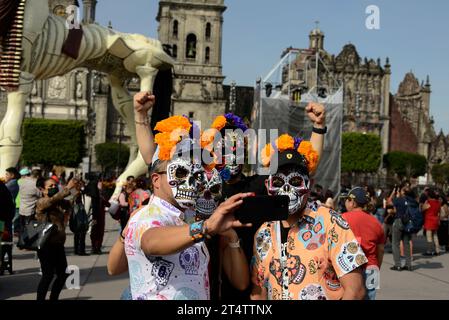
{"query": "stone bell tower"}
pixel 193 30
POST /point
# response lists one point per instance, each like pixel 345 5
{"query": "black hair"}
pixel 14 172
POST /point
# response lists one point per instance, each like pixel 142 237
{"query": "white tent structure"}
pixel 280 104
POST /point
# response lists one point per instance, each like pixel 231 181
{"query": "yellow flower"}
pixel 285 142
pixel 267 153
pixel 173 123
pixel 219 123
pixel 306 149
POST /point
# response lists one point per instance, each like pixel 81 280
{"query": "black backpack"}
pixel 79 219
pixel 412 219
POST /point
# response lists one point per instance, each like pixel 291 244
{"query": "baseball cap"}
pixel 359 195
pixel 293 157
pixel 24 172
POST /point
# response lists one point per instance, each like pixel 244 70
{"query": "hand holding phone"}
pixel 260 209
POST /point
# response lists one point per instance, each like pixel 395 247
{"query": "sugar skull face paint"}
pixel 186 180
pixel 233 155
pixel 292 184
pixel 211 195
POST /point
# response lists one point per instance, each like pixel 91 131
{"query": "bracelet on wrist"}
pixel 196 231
pixel 234 245
pixel 319 130
pixel 146 122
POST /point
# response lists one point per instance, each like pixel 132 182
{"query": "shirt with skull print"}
pixel 180 276
pixel 320 249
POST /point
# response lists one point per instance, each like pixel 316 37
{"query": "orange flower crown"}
pixel 287 142
pixel 171 131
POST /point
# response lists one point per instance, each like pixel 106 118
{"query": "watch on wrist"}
pixel 319 130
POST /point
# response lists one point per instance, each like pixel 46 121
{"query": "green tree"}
pixel 440 173
pixel 360 152
pixel 108 154
pixel 53 142
pixel 405 164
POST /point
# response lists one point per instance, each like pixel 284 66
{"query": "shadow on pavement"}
pixel 429 265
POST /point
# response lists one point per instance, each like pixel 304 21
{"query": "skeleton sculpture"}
pixel 121 56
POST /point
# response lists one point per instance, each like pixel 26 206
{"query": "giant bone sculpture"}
pixel 121 56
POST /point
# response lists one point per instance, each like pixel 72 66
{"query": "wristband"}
pixel 319 131
pixel 234 245
pixel 196 231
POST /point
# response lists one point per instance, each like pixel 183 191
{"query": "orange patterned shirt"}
pixel 319 250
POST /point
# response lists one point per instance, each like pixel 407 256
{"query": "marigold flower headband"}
pixel 171 131
pixel 221 122
pixel 287 142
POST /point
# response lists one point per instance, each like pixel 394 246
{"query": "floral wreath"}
pixel 220 123
pixel 229 119
pixel 287 142
pixel 171 131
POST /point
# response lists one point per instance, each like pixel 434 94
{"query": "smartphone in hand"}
pixel 260 209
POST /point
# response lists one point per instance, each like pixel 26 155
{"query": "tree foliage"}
pixel 109 154
pixel 53 142
pixel 360 152
pixel 405 164
pixel 440 173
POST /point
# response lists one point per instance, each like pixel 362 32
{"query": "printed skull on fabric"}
pixel 186 180
pixel 312 292
pixel 351 256
pixel 313 235
pixel 190 260
pixel 211 194
pixel 294 185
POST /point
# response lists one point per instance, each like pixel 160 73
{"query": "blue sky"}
pixel 413 34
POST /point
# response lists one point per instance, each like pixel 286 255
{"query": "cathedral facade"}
pixel 193 31
pixel 365 83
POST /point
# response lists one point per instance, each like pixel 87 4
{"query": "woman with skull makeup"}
pixel 311 255
pixel 236 181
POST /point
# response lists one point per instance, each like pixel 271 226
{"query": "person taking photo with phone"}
pixel 313 255
pixel 53 207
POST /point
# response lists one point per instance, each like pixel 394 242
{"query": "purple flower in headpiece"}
pixel 236 121
pixel 298 141
pixel 225 174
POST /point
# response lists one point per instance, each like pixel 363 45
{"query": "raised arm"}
pixel 45 203
pixel 143 102
pixel 317 115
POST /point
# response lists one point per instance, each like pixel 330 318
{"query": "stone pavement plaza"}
pixel 429 280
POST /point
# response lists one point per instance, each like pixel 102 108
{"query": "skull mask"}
pixel 211 195
pixel 232 156
pixel 186 180
pixel 292 184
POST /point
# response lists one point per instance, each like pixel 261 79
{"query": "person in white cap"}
pixel 29 194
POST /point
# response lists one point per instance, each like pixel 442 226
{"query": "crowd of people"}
pixel 179 238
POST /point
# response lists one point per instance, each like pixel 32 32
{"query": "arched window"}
pixel 207 55
pixel 208 30
pixel 175 51
pixel 191 46
pixel 175 28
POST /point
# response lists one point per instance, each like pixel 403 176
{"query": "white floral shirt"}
pixel 180 276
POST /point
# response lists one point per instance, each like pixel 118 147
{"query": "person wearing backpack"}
pixel 405 206
pixel 79 224
pixel 431 209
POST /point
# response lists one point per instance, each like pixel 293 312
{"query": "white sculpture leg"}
pixel 10 128
pixel 123 102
